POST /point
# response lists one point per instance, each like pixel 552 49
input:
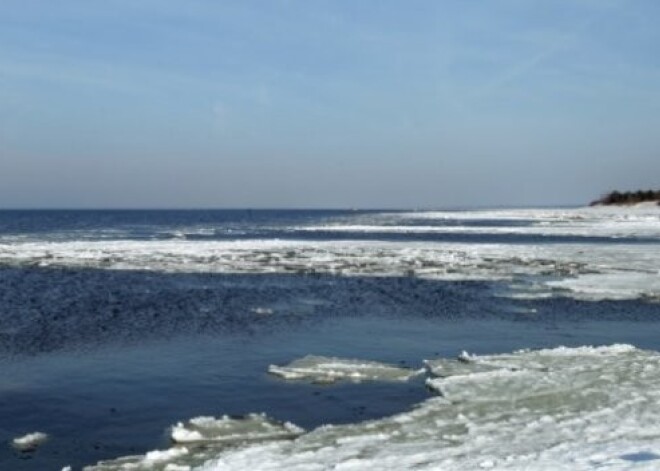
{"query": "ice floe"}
pixel 586 408
pixel 322 369
pixel 30 441
pixel 251 427
pixel 202 438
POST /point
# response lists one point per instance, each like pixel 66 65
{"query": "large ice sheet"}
pixel 522 375
pixel 587 408
pixel 322 369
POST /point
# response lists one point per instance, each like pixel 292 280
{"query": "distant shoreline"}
pixel 627 198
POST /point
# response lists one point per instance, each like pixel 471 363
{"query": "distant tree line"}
pixel 628 197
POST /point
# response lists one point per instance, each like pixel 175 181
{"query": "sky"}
pixel 326 104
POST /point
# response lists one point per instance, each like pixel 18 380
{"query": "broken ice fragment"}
pixel 330 369
pixel 252 427
pixel 29 442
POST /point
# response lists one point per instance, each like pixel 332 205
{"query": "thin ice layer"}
pixel 330 369
pixel 226 429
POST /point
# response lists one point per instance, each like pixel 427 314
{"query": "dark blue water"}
pixel 105 360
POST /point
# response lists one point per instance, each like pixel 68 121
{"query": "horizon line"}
pixel 291 208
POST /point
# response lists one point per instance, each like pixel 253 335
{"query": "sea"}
pixel 180 340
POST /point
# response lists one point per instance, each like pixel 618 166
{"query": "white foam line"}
pixel 637 229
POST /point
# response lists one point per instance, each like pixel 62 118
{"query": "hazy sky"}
pixel 354 103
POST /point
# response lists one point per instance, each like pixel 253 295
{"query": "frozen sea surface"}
pixel 597 253
pixel 585 408
pixel 123 330
pixel 564 408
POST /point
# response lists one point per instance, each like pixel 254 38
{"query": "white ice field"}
pixel 617 267
pixel 558 409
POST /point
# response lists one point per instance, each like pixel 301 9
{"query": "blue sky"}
pixel 192 103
